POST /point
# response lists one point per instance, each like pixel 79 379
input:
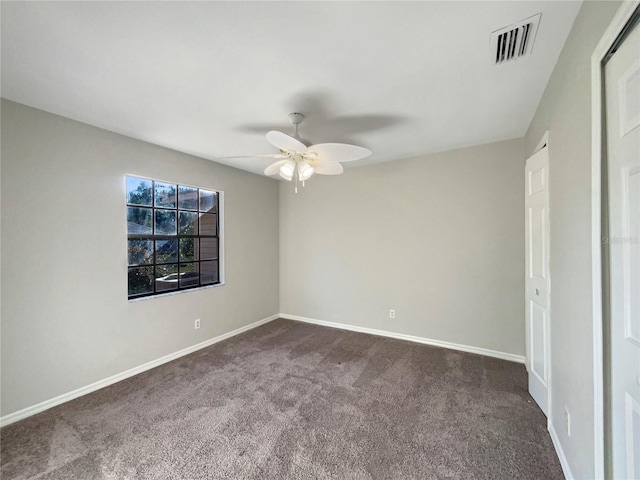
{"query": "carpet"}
pixel 290 400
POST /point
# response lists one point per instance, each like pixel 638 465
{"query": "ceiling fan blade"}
pixel 274 167
pixel 327 168
pixel 339 152
pixel 285 142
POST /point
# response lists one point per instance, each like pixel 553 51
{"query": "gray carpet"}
pixel 292 400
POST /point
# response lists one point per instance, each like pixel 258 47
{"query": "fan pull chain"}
pixel 296 189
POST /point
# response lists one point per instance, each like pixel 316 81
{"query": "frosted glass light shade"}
pixel 287 169
pixel 305 170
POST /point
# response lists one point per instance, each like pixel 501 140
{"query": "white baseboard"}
pixel 561 456
pixel 40 407
pixel 401 336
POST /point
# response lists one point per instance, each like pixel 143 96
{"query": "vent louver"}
pixel 514 41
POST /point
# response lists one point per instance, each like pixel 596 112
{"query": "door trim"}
pixel 544 142
pixel 610 35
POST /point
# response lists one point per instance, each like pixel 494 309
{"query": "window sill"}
pixel 176 292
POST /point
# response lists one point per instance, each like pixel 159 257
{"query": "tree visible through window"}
pixel 172 235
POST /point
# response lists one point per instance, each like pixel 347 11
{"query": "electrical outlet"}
pixel 567 421
pixel 197 324
pixel 392 313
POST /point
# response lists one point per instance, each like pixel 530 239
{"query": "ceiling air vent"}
pixel 514 41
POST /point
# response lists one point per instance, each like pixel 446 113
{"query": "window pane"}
pixel 208 272
pixel 167 251
pixel 139 191
pixel 208 224
pixel 208 201
pixel 208 248
pixel 189 276
pixel 187 223
pixel 140 280
pixel 139 220
pixel 188 249
pixel 165 222
pixel 187 198
pixel 166 277
pixel 165 195
pixel 140 252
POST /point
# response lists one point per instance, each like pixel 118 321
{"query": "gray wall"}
pixel 565 110
pixel 66 321
pixel 439 238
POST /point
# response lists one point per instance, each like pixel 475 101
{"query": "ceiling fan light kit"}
pixel 305 170
pixel 287 169
pixel 302 162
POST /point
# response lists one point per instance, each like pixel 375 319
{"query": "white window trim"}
pixel 221 239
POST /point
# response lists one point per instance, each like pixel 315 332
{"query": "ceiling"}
pixel 211 78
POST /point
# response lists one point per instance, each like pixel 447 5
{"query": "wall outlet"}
pixel 567 421
pixel 392 313
pixel 197 324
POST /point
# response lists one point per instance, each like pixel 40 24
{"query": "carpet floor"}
pixel 289 400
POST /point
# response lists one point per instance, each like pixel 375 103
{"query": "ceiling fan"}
pixel 299 162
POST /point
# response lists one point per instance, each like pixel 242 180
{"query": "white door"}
pixel 537 275
pixel 622 97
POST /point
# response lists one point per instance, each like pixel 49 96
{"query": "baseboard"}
pixel 42 406
pixel 561 456
pixel 401 336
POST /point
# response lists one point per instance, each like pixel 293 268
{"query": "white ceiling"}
pixel 211 78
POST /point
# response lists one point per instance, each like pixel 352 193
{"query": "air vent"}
pixel 514 41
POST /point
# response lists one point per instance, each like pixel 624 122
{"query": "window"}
pixel 172 236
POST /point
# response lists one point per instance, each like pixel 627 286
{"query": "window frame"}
pixel 176 265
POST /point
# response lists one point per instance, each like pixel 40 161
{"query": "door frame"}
pixel 607 40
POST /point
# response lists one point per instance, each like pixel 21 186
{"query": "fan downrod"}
pixel 296 119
